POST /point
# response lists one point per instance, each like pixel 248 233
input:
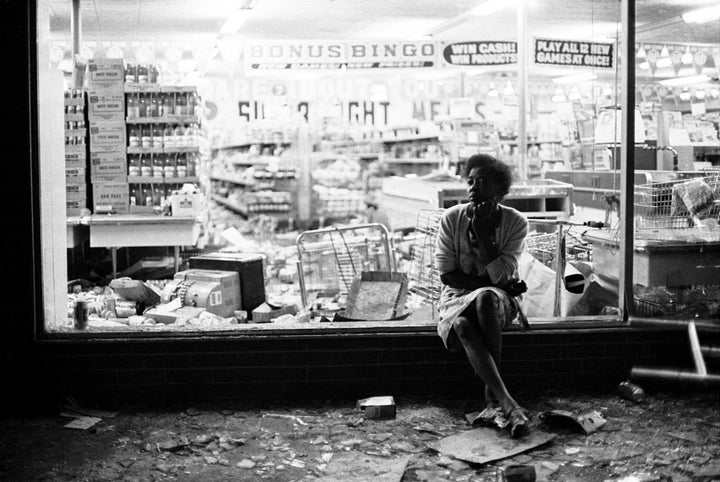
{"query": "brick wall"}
pixel 347 367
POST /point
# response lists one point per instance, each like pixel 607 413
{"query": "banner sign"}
pixel 573 53
pixel 329 55
pixel 480 53
pixel 695 56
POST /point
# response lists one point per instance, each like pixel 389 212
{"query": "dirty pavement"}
pixel 671 436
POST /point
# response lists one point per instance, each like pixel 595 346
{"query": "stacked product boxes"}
pixel 75 152
pixel 106 116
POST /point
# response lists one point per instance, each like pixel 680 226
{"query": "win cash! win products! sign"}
pixel 481 53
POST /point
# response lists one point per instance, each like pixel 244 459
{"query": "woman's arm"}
pixel 504 267
pixel 460 280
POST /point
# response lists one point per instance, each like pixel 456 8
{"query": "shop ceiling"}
pixel 202 20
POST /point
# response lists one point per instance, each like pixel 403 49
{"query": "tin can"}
pixel 516 473
pixel 630 391
pixel 125 309
pixel 80 314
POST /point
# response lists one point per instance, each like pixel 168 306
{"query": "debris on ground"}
pixel 588 421
pixel 630 391
pixel 377 407
pixel 359 467
pixel 320 439
pixel 483 445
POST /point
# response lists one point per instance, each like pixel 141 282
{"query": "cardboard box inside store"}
pixel 107 74
pixel 75 175
pixel 106 105
pixel 111 196
pixel 108 167
pixel 107 136
pixel 75 156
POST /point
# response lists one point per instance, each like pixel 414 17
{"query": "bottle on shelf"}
pixel 158 192
pixel 169 136
pixel 181 103
pixel 179 134
pixel 134 135
pixel 157 136
pixel 147 199
pixel 181 165
pixel 167 104
pixel 191 162
pixel 142 74
pixel 153 105
pixel 146 168
pixel 133 106
pixel 134 165
pixel 169 166
pixel 142 105
pixel 146 136
pixel 134 193
pixel 153 74
pixel 193 104
pixel 158 168
pixel 130 73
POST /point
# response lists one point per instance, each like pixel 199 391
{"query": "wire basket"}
pixel 688 303
pixel 543 247
pixel 677 204
pixel 423 277
pixel 331 258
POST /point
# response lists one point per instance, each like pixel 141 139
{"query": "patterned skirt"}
pixel 454 301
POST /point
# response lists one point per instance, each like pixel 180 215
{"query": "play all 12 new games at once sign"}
pixel 574 53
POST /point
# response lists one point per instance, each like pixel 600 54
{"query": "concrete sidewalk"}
pixel 673 436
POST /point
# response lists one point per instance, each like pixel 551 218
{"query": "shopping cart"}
pixel 423 277
pixel 677 204
pixel 330 258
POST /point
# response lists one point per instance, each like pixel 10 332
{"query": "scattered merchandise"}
pixel 588 421
pixel 377 407
pixel 483 445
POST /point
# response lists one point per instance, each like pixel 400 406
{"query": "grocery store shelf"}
pixel 248 144
pixel 411 160
pixel 171 119
pixel 162 180
pixel 233 180
pixel 161 150
pixel 386 140
pixel 540 141
pixel 230 205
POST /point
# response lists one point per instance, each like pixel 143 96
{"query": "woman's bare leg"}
pixel 481 359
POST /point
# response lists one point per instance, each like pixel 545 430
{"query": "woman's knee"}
pixel 487 301
pixel 463 327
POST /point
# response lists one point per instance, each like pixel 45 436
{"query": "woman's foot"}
pixel 518 421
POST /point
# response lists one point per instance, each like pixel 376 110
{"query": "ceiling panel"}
pixel 342 19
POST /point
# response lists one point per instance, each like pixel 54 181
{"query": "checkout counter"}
pixel 402 198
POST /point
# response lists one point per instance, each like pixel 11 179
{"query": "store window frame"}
pixel 625 301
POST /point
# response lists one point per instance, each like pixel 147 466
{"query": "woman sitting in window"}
pixel 477 253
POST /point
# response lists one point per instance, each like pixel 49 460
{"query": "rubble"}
pixel 668 438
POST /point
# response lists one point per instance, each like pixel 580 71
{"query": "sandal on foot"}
pixel 519 422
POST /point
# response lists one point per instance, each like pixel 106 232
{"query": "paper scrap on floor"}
pixel 83 423
pixel 359 467
pixel 483 445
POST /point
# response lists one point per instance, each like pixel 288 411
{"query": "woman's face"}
pixel 481 186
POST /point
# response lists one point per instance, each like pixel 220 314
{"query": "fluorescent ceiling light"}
pixel 235 21
pixel 702 15
pixel 692 79
pixel 400 28
pixel 491 7
pixel 571 79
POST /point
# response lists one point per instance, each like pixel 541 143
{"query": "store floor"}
pixel 674 435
